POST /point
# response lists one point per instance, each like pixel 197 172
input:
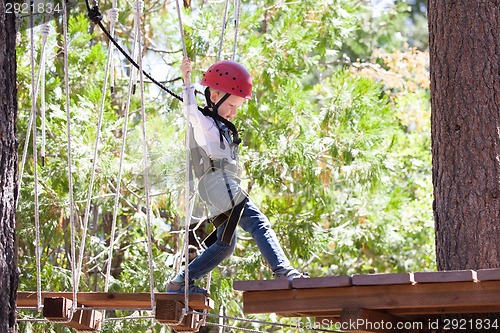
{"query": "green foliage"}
pixel 335 152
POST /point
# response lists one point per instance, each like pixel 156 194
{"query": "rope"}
pixel 138 9
pixel 44 30
pixel 188 206
pixel 32 320
pixel 96 156
pixel 237 9
pixel 112 18
pixel 70 172
pixel 120 168
pixel 254 321
pixel 34 86
pixel 234 327
pixel 223 28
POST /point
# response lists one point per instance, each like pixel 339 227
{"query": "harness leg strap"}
pixel 232 217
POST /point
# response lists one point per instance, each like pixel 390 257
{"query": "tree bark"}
pixel 465 101
pixel 8 170
pixel 464 47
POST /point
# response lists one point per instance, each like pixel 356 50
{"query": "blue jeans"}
pixel 252 220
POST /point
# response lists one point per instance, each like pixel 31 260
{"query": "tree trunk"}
pixel 8 170
pixel 464 44
pixel 465 100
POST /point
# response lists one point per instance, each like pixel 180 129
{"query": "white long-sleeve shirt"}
pixel 206 132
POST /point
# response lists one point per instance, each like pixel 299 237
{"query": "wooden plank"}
pixel 368 321
pixel 256 285
pixel 169 312
pixel 445 276
pixel 87 320
pixel 101 300
pixel 188 324
pixel 458 295
pixel 59 310
pixel 323 282
pixel 383 279
pixel 488 274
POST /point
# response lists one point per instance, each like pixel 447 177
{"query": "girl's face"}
pixel 230 106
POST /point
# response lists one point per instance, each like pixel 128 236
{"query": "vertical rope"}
pixel 96 149
pixel 237 10
pixel 120 168
pixel 45 30
pixel 34 86
pixel 223 29
pixel 113 18
pixel 70 171
pixel 40 81
pixel 187 207
pixel 139 6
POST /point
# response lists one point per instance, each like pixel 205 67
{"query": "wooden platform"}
pixel 402 297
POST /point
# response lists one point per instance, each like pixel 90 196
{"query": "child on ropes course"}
pixel 214 158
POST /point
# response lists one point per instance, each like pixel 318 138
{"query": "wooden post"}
pixel 169 312
pixel 58 309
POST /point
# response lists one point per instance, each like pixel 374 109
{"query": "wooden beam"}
pixel 457 297
pixel 101 300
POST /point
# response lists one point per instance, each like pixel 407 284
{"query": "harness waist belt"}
pixel 224 165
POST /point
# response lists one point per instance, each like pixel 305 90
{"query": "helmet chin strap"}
pixel 215 115
pixel 212 105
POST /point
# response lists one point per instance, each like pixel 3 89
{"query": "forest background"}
pixel 336 144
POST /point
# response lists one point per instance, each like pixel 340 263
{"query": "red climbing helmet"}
pixel 230 77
